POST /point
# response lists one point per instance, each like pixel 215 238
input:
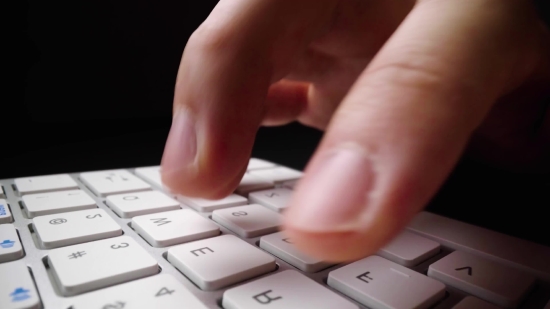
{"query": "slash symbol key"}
pixel 464 268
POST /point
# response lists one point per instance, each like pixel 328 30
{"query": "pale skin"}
pixel 401 88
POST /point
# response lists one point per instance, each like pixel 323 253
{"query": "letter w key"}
pixel 160 221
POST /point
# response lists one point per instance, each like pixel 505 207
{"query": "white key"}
pixel 287 289
pixel 290 184
pixel 76 268
pixel 495 246
pixel 161 291
pixel 409 249
pixel 18 290
pixel 105 183
pixel 76 227
pixel 217 262
pixel 5 213
pixel 2 193
pixel 251 183
pixel 57 202
pixel 174 227
pixel 39 184
pixel 204 205
pixel 281 246
pixel 274 199
pixel 151 175
pixel 258 164
pixel 381 284
pixel 249 220
pixel 141 203
pixel 278 174
pixel 10 246
pixel 471 302
pixel 488 280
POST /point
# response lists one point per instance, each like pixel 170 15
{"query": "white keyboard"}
pixel 116 240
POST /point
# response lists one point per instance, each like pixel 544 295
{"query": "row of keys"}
pixel 105 183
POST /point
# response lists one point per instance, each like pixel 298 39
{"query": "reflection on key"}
pixel 106 183
pixel 217 262
pixel 76 227
pixel 381 284
pixel 278 174
pixel 204 205
pixel 151 175
pixel 287 289
pixel 5 213
pixel 281 246
pixel 57 202
pixel 274 199
pixel 86 267
pixel 471 302
pixel 10 246
pixel 251 183
pixel 39 184
pixel 249 220
pixel 17 290
pixel 174 227
pixel 258 164
pixel 409 249
pixel 161 291
pixel 488 280
pixel 141 203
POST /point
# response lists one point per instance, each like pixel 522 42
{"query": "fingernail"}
pixel 181 146
pixel 334 195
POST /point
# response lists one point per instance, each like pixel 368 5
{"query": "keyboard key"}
pixel 2 193
pixel 485 243
pixel 204 205
pixel 10 246
pixel 217 262
pixel 249 220
pixel 86 267
pixel 281 246
pixel 409 249
pixel 381 284
pixel 17 287
pixel 251 183
pixel 161 291
pixel 151 175
pixel 278 174
pixel 274 199
pixel 488 280
pixel 5 213
pixel 141 203
pixel 60 230
pixel 106 183
pixel 471 302
pixel 174 227
pixel 258 164
pixel 57 202
pixel 39 184
pixel 287 289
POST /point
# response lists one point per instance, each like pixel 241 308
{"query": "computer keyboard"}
pixel 118 240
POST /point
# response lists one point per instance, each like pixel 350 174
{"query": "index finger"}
pixel 224 76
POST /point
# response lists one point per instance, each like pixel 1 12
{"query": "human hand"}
pixel 401 87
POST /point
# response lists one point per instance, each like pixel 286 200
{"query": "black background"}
pixel 94 91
